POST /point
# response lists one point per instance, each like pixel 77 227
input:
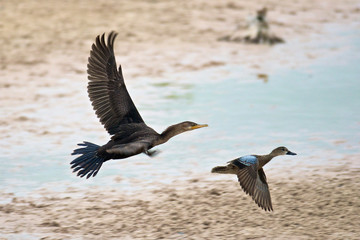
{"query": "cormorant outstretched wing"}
pixel 107 91
pixel 253 182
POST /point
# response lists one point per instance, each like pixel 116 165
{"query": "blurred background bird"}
pixel 256 31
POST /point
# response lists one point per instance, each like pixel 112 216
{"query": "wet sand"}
pixel 310 205
pixel 44 41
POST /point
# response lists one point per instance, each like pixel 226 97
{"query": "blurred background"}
pixel 303 94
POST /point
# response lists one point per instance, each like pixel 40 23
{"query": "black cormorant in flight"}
pixel 117 112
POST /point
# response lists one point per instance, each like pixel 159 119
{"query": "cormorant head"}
pixel 187 126
pixel 282 151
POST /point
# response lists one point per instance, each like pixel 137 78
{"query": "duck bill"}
pixel 290 153
pixel 198 126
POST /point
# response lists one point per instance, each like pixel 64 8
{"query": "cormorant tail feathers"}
pixel 88 163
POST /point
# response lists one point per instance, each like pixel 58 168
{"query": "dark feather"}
pixel 106 88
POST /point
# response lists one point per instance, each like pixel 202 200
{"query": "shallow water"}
pixel 313 109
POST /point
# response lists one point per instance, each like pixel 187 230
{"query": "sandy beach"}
pixel 310 206
pixel 44 41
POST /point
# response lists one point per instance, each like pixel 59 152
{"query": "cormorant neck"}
pixel 170 132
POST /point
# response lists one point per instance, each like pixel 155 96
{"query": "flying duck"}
pixel 251 176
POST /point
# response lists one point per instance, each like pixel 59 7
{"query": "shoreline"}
pixel 311 205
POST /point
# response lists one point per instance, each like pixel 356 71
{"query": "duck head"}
pixel 281 151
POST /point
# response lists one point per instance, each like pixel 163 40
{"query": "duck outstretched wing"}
pixel 261 192
pixel 106 88
pixel 253 182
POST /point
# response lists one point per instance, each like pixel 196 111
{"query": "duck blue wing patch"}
pixel 248 160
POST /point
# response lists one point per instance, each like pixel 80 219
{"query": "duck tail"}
pixel 89 162
pixel 223 170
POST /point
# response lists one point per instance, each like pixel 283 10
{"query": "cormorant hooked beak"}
pixel 198 126
pixel 290 153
